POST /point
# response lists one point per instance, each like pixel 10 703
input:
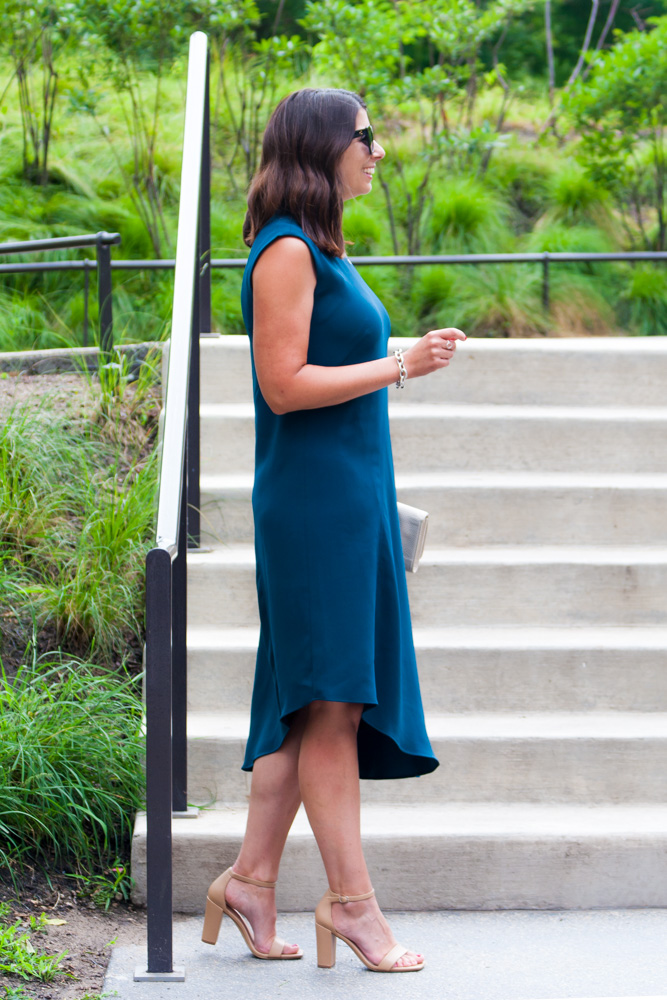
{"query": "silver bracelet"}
pixel 402 370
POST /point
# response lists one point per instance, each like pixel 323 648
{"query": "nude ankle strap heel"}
pixel 217 906
pixel 326 935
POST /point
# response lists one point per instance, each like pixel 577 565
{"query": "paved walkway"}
pixel 508 955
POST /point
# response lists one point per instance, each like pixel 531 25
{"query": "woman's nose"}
pixel 378 151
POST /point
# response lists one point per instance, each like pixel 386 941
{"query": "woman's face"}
pixel 357 164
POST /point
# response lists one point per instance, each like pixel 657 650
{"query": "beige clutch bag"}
pixel 414 523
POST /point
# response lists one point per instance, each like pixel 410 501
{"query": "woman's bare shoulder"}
pixel 284 257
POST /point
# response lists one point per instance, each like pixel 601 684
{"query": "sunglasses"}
pixel 366 136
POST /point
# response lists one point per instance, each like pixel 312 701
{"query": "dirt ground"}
pixel 86 935
pixel 67 390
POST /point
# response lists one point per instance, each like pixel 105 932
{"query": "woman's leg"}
pixel 274 800
pixel 328 768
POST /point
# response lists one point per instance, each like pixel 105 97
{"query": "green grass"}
pixel 19 957
pixel 77 507
pixel 71 773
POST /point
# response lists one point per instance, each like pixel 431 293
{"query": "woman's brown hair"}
pixel 305 138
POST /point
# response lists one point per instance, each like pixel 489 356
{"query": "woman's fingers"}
pixel 450 333
pixel 434 350
pixel 448 337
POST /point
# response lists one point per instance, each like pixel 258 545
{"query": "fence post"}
pixel 545 281
pixel 104 296
pixel 86 296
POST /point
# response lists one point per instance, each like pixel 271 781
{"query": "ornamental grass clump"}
pixel 77 508
pixel 71 776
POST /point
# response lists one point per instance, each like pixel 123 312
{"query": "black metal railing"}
pixel 102 243
pixel 177 522
pixel 544 258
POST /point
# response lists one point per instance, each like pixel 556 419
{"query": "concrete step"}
pixel 580 371
pixel 476 586
pixel 537 757
pixel 476 669
pixel 431 437
pixel 493 508
pixel 457 856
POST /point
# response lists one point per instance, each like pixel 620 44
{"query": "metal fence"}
pixel 102 265
pixel 545 260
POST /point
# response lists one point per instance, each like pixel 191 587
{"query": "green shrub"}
pixel 363 226
pixel 433 286
pixel 71 774
pixel 77 506
pixel 497 300
pixel 643 302
pixel 521 176
pixel 574 198
pixel 467 216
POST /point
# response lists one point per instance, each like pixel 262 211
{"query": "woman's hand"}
pixel 435 350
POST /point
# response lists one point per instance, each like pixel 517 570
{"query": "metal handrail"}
pixel 166 579
pixel 103 242
pixel 216 263
pixel 61 243
pixel 545 258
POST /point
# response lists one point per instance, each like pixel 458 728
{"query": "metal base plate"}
pixel 142 976
pixel 191 813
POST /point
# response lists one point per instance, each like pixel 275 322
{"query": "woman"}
pixel 336 692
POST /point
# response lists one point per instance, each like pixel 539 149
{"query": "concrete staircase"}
pixel 540 614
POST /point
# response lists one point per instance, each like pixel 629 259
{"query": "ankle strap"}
pixel 336 897
pixel 254 881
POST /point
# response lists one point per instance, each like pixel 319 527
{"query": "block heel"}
pixel 217 906
pixel 326 947
pixel 327 934
pixel 212 920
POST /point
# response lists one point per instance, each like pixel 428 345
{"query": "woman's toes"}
pixel 410 958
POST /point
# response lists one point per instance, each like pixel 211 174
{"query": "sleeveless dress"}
pixel 331 586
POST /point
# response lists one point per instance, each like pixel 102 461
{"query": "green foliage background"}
pixel 90 134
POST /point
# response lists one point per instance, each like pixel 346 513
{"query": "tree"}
pixel 366 46
pixel 135 42
pixel 34 35
pixel 250 71
pixel 621 116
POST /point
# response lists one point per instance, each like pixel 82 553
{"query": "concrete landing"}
pixel 508 955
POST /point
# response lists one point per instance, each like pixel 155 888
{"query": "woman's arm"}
pixel 283 290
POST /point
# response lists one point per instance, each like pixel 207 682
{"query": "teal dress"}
pixel 331 587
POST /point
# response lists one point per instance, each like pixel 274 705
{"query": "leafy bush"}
pixel 644 301
pixel 522 175
pixel 620 111
pixel 499 300
pixel 467 216
pixel 574 198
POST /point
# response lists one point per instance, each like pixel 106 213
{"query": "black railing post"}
pixel 104 296
pixel 179 658
pixel 86 297
pixel 545 281
pixel 158 760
